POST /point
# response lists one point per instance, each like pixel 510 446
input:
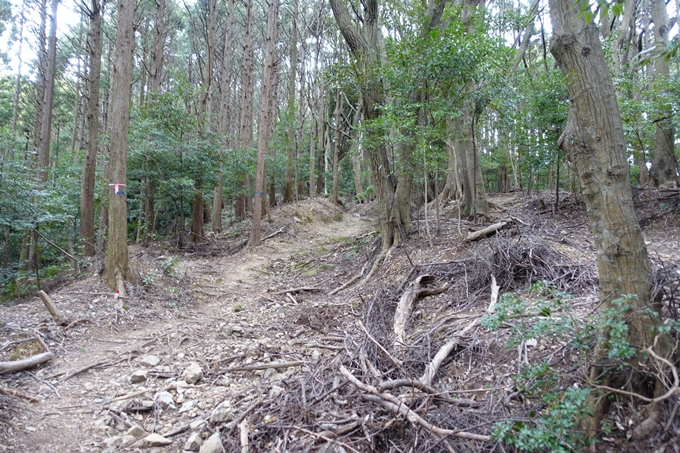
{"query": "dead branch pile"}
pixel 516 263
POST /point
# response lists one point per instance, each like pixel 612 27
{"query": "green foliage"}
pixel 614 321
pixel 555 429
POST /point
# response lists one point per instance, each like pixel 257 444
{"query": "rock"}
pixel 193 373
pixel 187 405
pixel 275 391
pixel 164 399
pixel 138 376
pixel 147 403
pixel 152 440
pixel 221 412
pixel 194 442
pixel 316 355
pixel 213 444
pixel 136 431
pixel 150 360
pixel 113 441
pixel 89 386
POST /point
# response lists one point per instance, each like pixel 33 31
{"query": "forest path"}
pixel 239 316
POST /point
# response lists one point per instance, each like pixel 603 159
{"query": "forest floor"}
pixel 276 347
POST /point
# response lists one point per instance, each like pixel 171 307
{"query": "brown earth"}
pixel 271 308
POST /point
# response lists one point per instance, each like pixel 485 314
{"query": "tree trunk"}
pixel 197 233
pixel 595 142
pixel 664 164
pixel 245 137
pixel 48 96
pixel 365 46
pixel 223 122
pixel 90 164
pixel 290 173
pixel 117 262
pixel 17 87
pixel 266 109
pixel 336 145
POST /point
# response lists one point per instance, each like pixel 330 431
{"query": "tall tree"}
pixel 292 77
pixel 664 164
pixel 267 110
pixel 48 96
pixel 364 47
pixel 90 165
pixel 594 140
pixel 117 262
pixel 245 135
pixel 224 115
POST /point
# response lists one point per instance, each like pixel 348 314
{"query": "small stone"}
pixel 269 372
pixel 196 423
pixel 165 400
pixel 113 441
pixel 316 355
pixel 213 444
pixel 89 386
pixel 150 361
pixel 138 376
pixel 275 391
pixel 237 329
pixel 187 405
pixel 194 442
pixel 221 412
pixel 136 431
pixel 563 232
pixel 193 373
pixel 152 440
pixel 147 403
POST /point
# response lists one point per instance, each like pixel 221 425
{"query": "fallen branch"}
pixel 84 369
pixel 19 365
pixel 18 394
pixel 394 404
pixel 326 438
pixel 297 290
pixel 52 309
pixel 273 234
pixel 494 295
pixel 443 353
pixel 395 361
pixel 346 285
pixel 405 306
pixel 485 231
pixel 263 366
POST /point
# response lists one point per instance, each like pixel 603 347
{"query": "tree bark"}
pixel 48 96
pixel 594 141
pixel 17 87
pixel 336 145
pixel 223 122
pixel 364 46
pixel 266 110
pixel 117 262
pixel 664 164
pixel 90 164
pixel 292 76
pixel 245 137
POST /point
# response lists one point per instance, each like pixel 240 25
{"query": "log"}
pixel 443 353
pixel 485 231
pixel 20 365
pixel 405 306
pixel 52 309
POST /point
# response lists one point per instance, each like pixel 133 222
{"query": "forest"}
pixel 178 124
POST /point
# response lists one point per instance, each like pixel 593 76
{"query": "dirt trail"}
pixel 238 317
pixel 270 352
